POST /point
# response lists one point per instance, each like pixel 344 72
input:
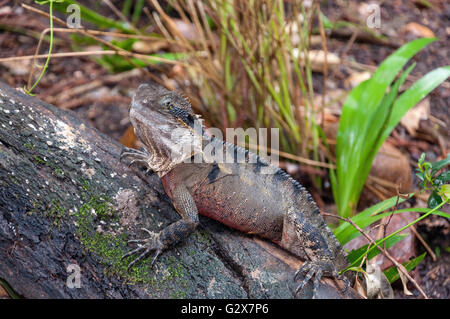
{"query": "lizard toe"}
pixel 303 269
pixel 317 269
pixel 134 153
pixel 311 269
pixel 305 280
pixel 145 247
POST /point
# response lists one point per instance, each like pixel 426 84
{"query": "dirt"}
pixel 19 33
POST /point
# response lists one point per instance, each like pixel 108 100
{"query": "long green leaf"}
pixel 358 111
pixel 373 134
pixel 414 95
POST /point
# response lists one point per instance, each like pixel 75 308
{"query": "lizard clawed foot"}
pixel 138 156
pixel 318 269
pixel 310 269
pixel 145 247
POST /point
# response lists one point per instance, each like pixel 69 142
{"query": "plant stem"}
pixel 49 51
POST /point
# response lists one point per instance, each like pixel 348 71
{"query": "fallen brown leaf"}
pixel 419 30
pixel 412 118
pixel 146 47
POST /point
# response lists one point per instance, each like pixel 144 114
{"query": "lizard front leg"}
pixel 172 234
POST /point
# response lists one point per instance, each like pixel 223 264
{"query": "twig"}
pixel 385 224
pixel 349 44
pixel 87 53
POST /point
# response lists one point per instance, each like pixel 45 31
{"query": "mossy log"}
pixel 68 206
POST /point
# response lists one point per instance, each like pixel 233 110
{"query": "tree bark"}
pixel 68 207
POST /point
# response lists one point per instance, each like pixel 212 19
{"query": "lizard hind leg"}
pixel 304 238
pixel 319 268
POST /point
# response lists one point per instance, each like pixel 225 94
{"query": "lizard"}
pixel 240 194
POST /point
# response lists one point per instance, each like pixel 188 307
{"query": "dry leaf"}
pixel 391 165
pixel 419 30
pixel 359 288
pixel 317 59
pixel 3 293
pixel 17 67
pixel 357 77
pixel 146 47
pixel 5 10
pixel 412 118
pixel 129 139
pixel 404 280
pixel 377 285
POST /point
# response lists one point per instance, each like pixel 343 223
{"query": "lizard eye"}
pixel 167 103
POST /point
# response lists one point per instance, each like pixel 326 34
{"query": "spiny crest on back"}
pixel 279 173
pixel 283 176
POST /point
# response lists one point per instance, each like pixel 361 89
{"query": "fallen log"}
pixel 68 206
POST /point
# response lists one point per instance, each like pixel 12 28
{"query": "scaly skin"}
pixel 240 194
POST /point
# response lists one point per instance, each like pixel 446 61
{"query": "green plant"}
pixel 369 114
pixel 432 180
pixel 346 232
pixel 50 3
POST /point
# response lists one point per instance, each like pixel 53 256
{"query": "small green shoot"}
pixel 432 180
pixel 50 3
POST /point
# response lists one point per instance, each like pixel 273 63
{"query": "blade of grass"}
pixel 137 11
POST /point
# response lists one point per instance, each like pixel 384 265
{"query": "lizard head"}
pixel 164 121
